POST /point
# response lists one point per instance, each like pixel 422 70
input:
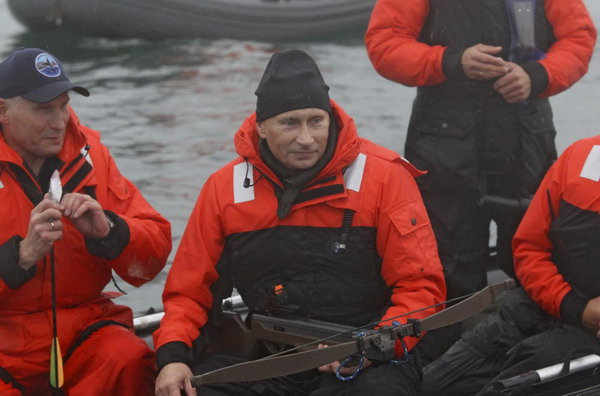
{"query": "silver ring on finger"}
pixel 481 73
pixel 52 225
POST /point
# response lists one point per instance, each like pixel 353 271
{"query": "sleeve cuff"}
pixel 452 64
pixel 172 352
pixel 10 271
pixel 571 308
pixel 539 77
pixel 114 243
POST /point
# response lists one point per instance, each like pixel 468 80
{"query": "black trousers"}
pixel 462 231
pixel 516 338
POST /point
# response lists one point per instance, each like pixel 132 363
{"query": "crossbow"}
pixel 375 344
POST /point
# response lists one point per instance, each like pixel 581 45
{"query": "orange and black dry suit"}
pixel 470 140
pixel 556 247
pixel 366 195
pixel 556 253
pixel 102 355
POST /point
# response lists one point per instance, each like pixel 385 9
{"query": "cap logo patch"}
pixel 298 95
pixel 47 65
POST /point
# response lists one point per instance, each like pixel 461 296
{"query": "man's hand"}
pixel 515 86
pixel 332 368
pixel 479 63
pixel 86 214
pixel 172 379
pixel 591 316
pixel 45 228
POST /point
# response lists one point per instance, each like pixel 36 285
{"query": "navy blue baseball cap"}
pixel 35 75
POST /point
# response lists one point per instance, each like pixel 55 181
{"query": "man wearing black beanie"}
pixel 309 222
pixel 292 81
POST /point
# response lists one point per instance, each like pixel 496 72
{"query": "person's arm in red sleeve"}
pixel 139 245
pixel 532 247
pixel 405 240
pixel 187 297
pixel 568 58
pixel 393 48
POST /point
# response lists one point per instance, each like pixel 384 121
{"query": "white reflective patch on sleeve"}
pixel 242 171
pixel 354 173
pixel 591 168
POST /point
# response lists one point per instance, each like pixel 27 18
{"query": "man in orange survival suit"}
pixel 102 223
pixel 309 221
pixel 557 311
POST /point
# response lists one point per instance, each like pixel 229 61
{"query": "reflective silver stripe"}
pixel 354 173
pixel 591 168
pixel 240 172
pixel 86 154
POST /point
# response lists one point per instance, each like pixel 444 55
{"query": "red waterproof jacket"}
pixel 370 180
pixel 556 246
pixel 137 252
pixel 393 44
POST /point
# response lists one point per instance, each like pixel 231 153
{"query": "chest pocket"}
pixel 443 142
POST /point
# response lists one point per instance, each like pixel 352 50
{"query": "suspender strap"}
pixel 29 187
pixel 32 190
pixel 78 177
pixel 6 377
pixel 85 334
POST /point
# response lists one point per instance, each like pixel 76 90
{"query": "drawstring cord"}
pixel 247 179
pixel 117 285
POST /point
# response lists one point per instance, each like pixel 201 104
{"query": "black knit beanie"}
pixel 291 81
